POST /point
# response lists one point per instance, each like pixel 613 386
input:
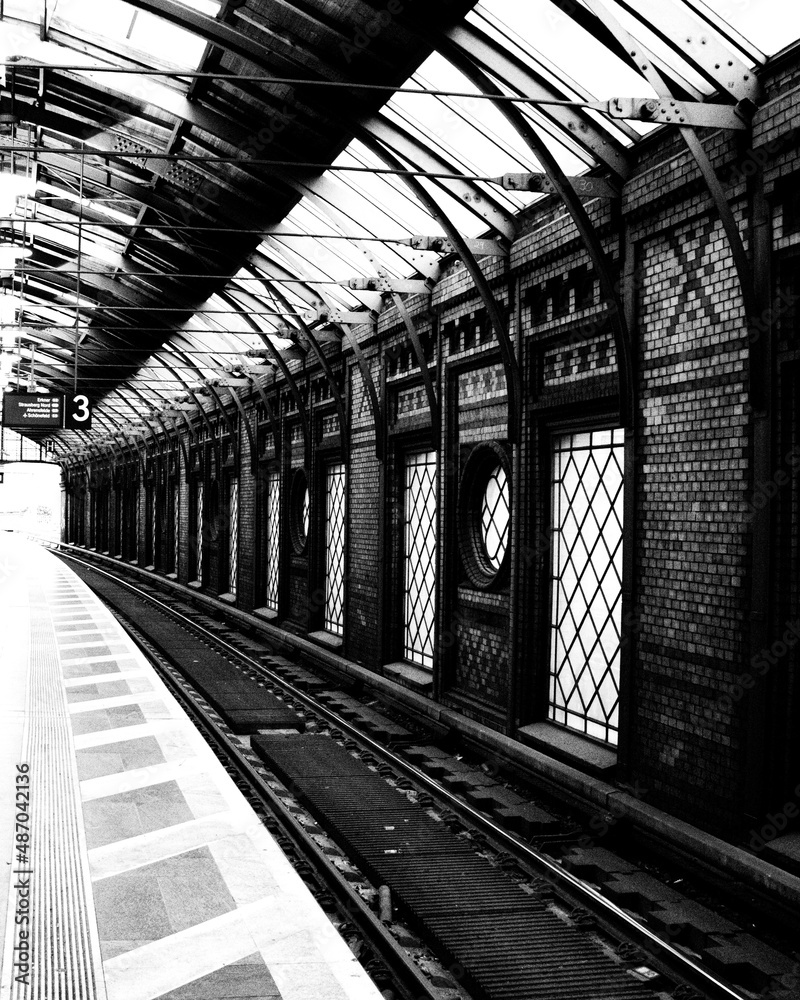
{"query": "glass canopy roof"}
pixel 186 178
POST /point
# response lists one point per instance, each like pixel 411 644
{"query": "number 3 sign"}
pixel 78 413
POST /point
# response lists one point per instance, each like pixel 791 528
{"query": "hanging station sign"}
pixel 32 410
pixel 77 412
pixel 37 411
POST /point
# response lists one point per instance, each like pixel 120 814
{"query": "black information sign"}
pixel 32 410
pixel 78 412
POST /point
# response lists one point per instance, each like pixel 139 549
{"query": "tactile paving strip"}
pixel 63 946
pixel 508 944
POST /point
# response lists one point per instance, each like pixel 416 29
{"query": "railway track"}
pixel 504 920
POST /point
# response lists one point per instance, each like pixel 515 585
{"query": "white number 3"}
pixel 82 408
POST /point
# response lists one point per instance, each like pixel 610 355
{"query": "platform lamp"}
pixel 8 337
pixel 12 187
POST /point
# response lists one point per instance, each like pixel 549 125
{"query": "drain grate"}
pixel 508 944
pixel 245 706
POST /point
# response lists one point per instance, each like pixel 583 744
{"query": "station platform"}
pixel 131 867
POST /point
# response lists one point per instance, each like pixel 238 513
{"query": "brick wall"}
pixel 687 629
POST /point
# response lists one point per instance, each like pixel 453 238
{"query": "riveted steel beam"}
pixel 296 395
pixel 478 200
pixel 245 421
pixel 322 313
pixel 273 420
pixel 668 111
pixel 584 187
pixel 411 286
pixel 322 360
pixel 226 417
pixel 378 421
pixel 507 353
pixel 622 338
pixel 693 40
pixel 439 244
pixel 660 85
pixel 430 391
pixel 576 124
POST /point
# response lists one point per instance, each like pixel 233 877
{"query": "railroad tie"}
pixel 502 942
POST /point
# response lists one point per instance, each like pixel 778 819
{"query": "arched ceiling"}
pixel 192 175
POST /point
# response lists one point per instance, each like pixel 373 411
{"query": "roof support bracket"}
pixel 591 239
pixel 227 418
pixel 584 187
pixel 209 427
pixel 296 395
pixel 667 111
pixel 369 388
pixel 248 428
pixel 507 353
pixel 324 364
pixel 438 244
pixel 419 353
pixel 273 420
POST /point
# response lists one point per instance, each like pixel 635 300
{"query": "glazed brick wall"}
pixel 477 677
pixel 692 460
pixel 186 550
pixel 365 568
pixel 248 512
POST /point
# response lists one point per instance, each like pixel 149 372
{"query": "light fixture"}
pixel 12 251
pixel 9 304
pixel 13 186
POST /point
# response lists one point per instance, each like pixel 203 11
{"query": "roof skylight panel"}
pixel 323 281
pixel 391 192
pixel 455 128
pixel 580 58
pixel 131 30
pixel 596 72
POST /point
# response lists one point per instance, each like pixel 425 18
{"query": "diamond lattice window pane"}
pixel 273 528
pixel 334 550
pixel 305 513
pixel 176 507
pixel 586 582
pixel 233 535
pixel 419 581
pixel 495 516
pixel 152 511
pixel 199 508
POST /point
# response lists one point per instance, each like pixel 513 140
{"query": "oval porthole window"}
pixel 305 512
pixel 495 517
pixel 300 520
pixel 485 515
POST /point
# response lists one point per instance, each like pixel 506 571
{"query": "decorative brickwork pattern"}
pixel 482 661
pixel 410 401
pixel 565 365
pixel 482 384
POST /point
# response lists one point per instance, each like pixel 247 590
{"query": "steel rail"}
pixel 350 902
pixel 656 949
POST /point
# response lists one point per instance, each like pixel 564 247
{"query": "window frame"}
pixel 555 431
pixel 483 459
pixel 403 618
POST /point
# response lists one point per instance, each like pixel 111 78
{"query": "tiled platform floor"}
pixel 150 875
